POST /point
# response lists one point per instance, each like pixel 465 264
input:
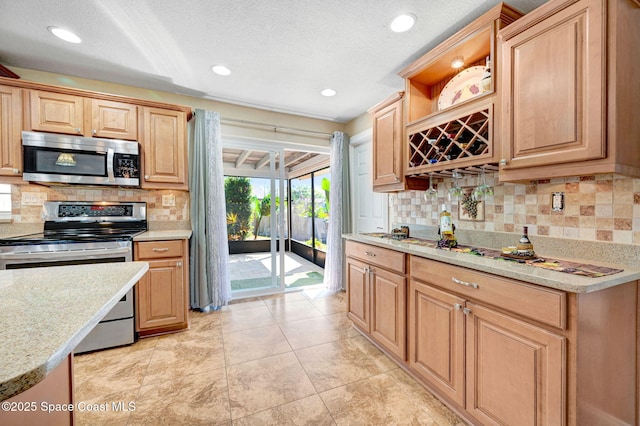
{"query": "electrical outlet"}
pixel 168 200
pixel 33 198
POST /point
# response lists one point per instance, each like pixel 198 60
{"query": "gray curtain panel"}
pixel 339 211
pixel 209 271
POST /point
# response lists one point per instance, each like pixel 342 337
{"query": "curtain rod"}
pixel 271 126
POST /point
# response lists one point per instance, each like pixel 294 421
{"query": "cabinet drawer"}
pixel 385 258
pixel 158 249
pixel 538 303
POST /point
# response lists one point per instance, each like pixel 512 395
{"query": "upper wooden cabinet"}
pixel 164 142
pixel 10 131
pixel 450 111
pixel 77 115
pixel 388 153
pixel 568 104
pixel 57 113
pixel 388 126
pixel 114 120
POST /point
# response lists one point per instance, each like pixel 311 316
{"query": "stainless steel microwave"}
pixel 52 158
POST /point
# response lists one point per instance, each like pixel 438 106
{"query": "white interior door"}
pixel 370 209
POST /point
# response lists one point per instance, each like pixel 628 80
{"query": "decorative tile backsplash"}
pixel 155 210
pixel 596 208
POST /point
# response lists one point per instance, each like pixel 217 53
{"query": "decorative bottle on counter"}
pixel 525 247
pixel 446 230
pixel 485 83
pixel 446 227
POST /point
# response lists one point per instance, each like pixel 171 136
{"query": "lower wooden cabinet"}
pixel 501 369
pixel 497 350
pixel 436 338
pixel 162 294
pixel 377 297
pixel 514 370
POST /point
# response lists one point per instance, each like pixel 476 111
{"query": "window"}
pixel 5 202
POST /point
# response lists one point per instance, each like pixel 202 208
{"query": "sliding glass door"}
pixel 309 215
pixel 255 203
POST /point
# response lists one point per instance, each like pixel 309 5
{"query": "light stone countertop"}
pixel 46 312
pixel 545 277
pixel 173 234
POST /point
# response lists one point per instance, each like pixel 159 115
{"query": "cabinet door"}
pixel 10 131
pixel 515 371
pixel 114 120
pixel 387 145
pixel 160 295
pixel 358 293
pixel 436 338
pixel 554 89
pixel 164 143
pixel 57 113
pixel 388 311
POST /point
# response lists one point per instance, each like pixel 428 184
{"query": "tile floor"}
pixel 290 359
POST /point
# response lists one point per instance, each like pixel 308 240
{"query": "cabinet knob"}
pixel 146 177
pixel 16 171
pixel 368 253
pixel 94 132
pixel 179 264
pixel 78 130
pixel 466 311
pixel 457 306
pixel 503 162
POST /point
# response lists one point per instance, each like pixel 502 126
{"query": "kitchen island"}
pixel 46 312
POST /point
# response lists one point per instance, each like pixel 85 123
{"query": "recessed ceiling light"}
pixel 328 92
pixel 402 23
pixel 221 70
pixel 65 35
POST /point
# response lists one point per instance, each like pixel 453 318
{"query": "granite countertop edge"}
pixel 544 277
pixel 19 383
pixel 169 234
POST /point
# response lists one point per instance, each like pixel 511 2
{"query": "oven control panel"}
pixel 94 211
pixel 75 210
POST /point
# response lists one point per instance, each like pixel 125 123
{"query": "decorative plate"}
pixel 465 85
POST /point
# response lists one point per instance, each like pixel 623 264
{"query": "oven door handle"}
pixel 110 173
pixel 61 255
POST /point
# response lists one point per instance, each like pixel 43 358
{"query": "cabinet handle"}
pixel 466 311
pixel 457 306
pixel 160 250
pixel 368 253
pixel 464 283
pixel 146 177
pixel 179 264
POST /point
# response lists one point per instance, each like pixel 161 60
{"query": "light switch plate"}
pixel 168 200
pixel 33 198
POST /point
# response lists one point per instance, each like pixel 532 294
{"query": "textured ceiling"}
pixel 281 52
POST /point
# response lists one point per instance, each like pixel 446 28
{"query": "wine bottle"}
pixel 446 227
pixel 485 83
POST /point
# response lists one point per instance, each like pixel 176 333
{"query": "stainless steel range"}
pixel 80 233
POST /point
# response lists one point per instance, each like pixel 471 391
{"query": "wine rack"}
pixel 461 141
